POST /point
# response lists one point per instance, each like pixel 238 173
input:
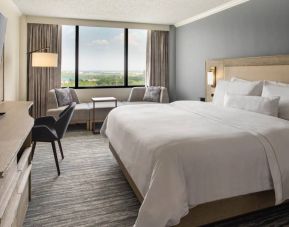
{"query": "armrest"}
pixel 52 102
pixel 43 133
pixel 48 121
pixel 136 94
pixel 164 96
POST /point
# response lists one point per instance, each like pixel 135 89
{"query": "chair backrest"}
pixel 64 111
pixel 64 119
pixel 137 94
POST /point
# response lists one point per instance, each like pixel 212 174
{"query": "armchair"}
pixel 137 94
pixel 81 112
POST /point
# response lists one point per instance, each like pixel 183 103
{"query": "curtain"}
pixel 41 80
pixel 157 58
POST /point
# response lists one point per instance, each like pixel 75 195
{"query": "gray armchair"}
pixel 81 112
pixel 47 129
pixel 137 94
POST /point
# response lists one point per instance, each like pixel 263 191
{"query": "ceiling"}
pixel 142 11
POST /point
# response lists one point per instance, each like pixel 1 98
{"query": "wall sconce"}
pixel 211 77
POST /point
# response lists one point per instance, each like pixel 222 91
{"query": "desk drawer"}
pixel 23 165
pixel 7 178
pixel 10 205
pixel 15 211
pixel 23 190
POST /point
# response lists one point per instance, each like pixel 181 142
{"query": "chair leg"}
pixel 60 148
pixel 55 157
pixel 33 149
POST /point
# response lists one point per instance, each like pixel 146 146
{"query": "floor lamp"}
pixel 43 60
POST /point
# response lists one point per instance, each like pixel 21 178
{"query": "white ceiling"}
pixel 142 11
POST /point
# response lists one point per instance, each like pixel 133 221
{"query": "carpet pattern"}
pixel 91 190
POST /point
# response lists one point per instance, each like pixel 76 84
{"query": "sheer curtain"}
pixel 41 80
pixel 157 58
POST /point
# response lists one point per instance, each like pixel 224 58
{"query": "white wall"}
pixel 11 55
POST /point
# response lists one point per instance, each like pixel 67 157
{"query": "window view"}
pixel 136 56
pixel 101 57
pixel 68 57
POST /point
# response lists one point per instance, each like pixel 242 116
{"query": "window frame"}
pixel 76 73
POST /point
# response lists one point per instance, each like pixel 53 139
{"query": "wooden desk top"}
pixel 15 126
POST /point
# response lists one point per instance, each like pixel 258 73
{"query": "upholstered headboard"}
pixel 274 68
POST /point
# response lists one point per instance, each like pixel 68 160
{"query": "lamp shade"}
pixel 41 59
pixel 211 78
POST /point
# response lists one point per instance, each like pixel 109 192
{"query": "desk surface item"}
pixel 103 99
pixel 15 126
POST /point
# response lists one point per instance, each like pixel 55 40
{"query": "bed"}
pixel 192 163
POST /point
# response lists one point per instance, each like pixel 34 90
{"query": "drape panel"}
pixel 157 58
pixel 41 80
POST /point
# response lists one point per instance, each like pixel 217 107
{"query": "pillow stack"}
pixel 236 87
pixel 265 97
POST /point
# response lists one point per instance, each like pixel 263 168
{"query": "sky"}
pixel 103 49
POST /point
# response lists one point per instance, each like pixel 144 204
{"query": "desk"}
pixel 15 162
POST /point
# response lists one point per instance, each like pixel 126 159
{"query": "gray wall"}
pixel 255 28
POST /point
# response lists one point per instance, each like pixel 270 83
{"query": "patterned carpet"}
pixel 91 190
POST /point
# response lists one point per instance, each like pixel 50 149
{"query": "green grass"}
pixel 94 79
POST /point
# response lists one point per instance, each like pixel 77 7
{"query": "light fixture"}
pixel 44 59
pixel 211 77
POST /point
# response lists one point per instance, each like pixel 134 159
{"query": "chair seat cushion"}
pixel 46 134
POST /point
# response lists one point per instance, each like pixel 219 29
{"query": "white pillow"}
pixel 253 88
pixel 271 88
pixel 258 104
pixel 257 83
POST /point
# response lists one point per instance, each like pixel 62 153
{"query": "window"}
pixel 102 57
pixel 137 40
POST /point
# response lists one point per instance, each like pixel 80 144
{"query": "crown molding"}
pixel 98 23
pixel 210 12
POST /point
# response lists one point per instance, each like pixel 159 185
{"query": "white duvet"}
pixel 188 153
